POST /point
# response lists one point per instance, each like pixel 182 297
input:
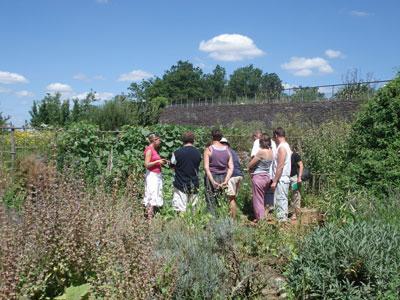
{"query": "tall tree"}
pixel 184 82
pixel 115 113
pixel 47 111
pixel 355 87
pixel 3 119
pixel 271 86
pixel 245 82
pixel 214 83
pixel 307 94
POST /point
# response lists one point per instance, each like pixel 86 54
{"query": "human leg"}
pixel 179 200
pixel 295 202
pixel 259 182
pixel 153 192
pixel 233 188
pixel 281 200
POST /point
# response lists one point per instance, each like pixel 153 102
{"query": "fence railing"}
pixel 17 142
pixel 344 91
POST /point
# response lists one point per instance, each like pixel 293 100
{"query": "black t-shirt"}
pixel 187 162
pixel 295 164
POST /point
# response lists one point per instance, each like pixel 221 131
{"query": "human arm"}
pixel 207 154
pixel 148 163
pixel 301 168
pixel 230 170
pixel 279 168
pixel 255 148
pixel 173 161
pixel 253 162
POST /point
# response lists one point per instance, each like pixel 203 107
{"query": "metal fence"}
pixel 18 142
pixel 345 91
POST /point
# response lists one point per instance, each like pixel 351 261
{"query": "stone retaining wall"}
pixel 314 112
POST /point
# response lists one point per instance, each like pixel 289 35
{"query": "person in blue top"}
pixel 234 181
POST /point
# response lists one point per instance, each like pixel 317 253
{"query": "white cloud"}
pixel 104 95
pixel 81 76
pixel 359 13
pixel 231 47
pixel 99 77
pixel 287 86
pixel 100 96
pixel 24 94
pixel 102 1
pixel 135 75
pixel 4 90
pixel 84 77
pixel 302 66
pixel 59 87
pixel 9 78
pixel 327 90
pixel 333 53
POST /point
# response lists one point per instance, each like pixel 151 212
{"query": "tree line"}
pixel 182 83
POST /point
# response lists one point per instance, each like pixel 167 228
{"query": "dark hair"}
pixel 265 141
pixel 279 132
pixel 216 134
pixel 188 137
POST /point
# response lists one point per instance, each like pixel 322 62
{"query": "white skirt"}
pixel 153 189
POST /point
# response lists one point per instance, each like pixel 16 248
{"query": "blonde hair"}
pixel 152 137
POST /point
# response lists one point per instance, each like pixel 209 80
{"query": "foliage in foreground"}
pixel 357 261
pixel 374 150
pixel 66 236
pixel 217 261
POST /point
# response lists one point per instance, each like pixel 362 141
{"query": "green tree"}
pixel 150 112
pixel 64 113
pixel 76 111
pixel 47 111
pixel 306 94
pixel 115 113
pixel 147 89
pixel 271 86
pixel 183 82
pixel 3 119
pixel 355 87
pixel 245 82
pixel 214 83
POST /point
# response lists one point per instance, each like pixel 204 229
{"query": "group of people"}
pixel 273 168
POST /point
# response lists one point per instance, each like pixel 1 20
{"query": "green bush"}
pixel 355 261
pixel 200 271
pixel 374 149
pixel 324 147
pixel 67 236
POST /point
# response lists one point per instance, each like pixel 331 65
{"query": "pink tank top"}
pixel 154 156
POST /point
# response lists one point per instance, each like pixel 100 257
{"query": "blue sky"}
pixel 73 46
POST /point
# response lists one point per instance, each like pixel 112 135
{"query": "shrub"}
pixel 324 148
pixel 200 271
pixel 357 261
pixel 66 236
pixel 374 151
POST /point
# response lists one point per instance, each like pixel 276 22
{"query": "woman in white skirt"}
pixel 153 178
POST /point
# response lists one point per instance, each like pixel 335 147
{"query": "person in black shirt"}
pixel 295 181
pixel 186 161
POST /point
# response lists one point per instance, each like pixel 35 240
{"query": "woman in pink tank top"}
pixel 153 178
